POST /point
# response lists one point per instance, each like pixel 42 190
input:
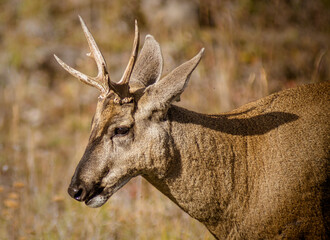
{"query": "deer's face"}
pixel 105 166
pixel 129 134
pixel 124 143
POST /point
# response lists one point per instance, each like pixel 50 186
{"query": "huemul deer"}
pixel 258 172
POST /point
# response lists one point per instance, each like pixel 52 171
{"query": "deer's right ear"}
pixel 149 65
pixel 158 97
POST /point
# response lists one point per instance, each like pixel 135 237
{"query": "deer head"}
pixel 129 134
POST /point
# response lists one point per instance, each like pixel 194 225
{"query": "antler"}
pixel 132 60
pixel 123 85
pixel 102 80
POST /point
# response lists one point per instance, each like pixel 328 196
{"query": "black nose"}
pixel 78 193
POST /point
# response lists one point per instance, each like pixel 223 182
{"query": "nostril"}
pixel 76 193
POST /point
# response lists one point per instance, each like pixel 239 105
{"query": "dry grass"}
pixel 252 49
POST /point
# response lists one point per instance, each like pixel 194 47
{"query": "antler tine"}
pixel 132 60
pixel 102 80
pixel 82 77
pixel 102 76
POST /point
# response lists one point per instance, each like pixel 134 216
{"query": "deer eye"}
pixel 121 131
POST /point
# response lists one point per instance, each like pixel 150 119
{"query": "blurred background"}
pixel 253 48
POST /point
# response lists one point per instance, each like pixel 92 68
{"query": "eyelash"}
pixel 121 131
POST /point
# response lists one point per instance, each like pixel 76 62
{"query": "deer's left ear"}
pixel 148 67
pixel 158 97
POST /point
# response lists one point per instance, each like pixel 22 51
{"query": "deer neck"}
pixel 195 182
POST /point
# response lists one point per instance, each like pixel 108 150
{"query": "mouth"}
pixel 101 195
pixel 97 199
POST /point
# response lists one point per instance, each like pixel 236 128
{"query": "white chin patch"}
pixel 96 201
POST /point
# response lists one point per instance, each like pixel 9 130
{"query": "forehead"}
pixel 107 110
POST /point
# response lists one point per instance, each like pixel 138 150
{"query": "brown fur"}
pixel 258 172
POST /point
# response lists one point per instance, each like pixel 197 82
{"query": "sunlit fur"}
pixel 258 172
